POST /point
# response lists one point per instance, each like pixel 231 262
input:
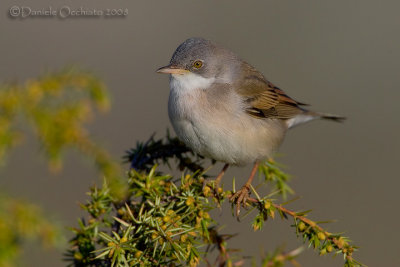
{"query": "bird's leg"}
pixel 219 177
pixel 241 196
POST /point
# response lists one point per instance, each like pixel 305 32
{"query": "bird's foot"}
pixel 240 198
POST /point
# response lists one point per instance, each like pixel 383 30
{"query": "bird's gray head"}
pixel 203 58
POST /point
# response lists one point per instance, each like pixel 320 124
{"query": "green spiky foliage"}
pixel 165 221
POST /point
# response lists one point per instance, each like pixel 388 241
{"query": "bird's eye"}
pixel 198 64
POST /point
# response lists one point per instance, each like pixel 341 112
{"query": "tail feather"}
pixel 331 117
pixel 311 115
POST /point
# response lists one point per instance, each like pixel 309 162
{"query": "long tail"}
pixel 331 117
pixel 307 116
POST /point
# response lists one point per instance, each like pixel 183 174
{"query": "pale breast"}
pixel 213 123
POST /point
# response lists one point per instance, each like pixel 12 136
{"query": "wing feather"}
pixel 264 99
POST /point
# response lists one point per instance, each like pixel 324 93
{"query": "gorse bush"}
pixel 165 221
pixel 56 106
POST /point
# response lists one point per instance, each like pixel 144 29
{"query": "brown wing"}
pixel 265 100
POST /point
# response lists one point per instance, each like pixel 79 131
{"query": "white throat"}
pixel 189 81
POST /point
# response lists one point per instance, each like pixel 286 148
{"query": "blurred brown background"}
pixel 340 56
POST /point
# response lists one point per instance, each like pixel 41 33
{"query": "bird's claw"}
pixel 240 198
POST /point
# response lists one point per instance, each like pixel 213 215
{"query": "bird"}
pixel 224 109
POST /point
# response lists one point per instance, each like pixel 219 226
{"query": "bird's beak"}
pixel 171 69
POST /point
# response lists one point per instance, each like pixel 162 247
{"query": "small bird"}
pixel 223 108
